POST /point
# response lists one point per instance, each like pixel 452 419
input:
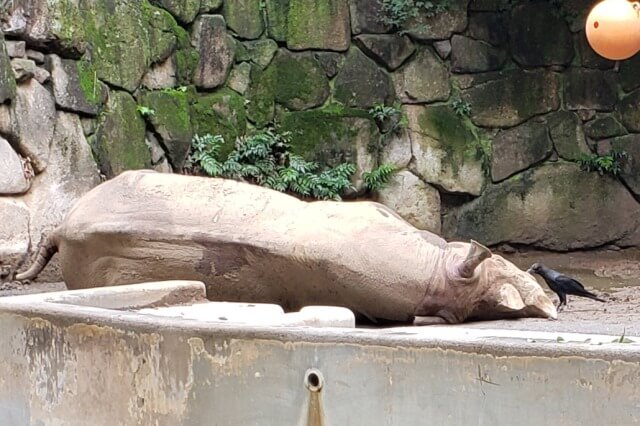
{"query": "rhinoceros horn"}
pixel 477 253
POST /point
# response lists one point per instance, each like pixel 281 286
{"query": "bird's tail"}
pixel 592 296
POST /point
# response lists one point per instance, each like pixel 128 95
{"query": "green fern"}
pixel 378 178
pixel 603 164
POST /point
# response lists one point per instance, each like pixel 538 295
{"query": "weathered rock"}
pixel 184 11
pixel 295 80
pixel 318 25
pixel 171 121
pixel 331 62
pixel 538 36
pixel 361 83
pixel 366 17
pixel 32 123
pixel 487 5
pixel 23 69
pixel 12 177
pixel 414 200
pixel 220 113
pixel 469 55
pixel 567 135
pixel 186 59
pixel 75 86
pixel 489 27
pixel 424 79
pixel 396 149
pixel 590 89
pixel 207 6
pixel 7 79
pixel 443 48
pixel 119 140
pixel 161 75
pixel 41 75
pixel 261 52
pixel 442 25
pixel 70 174
pixel 589 58
pixel 629 108
pixel 277 13
pixel 158 158
pixel 244 17
pixel 604 127
pixel 216 49
pixel 240 77
pixel 629 74
pixel 556 206
pixel 334 138
pixel 519 148
pixel 389 49
pixel 14 230
pixel 445 151
pixel 38 57
pixel 512 97
pixel 16 49
pixel 89 125
pixel 630 145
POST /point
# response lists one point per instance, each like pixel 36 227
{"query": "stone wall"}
pixel 501 99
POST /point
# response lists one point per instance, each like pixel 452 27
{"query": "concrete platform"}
pixel 152 354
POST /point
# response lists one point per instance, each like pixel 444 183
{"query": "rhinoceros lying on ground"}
pixel 252 244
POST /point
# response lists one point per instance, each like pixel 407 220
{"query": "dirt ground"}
pixel 613 274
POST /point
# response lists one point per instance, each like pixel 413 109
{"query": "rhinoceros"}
pixel 253 244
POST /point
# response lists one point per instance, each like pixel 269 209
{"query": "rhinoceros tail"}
pixel 44 255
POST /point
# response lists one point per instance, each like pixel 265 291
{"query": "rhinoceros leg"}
pixel 420 320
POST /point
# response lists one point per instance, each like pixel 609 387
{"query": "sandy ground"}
pixel 615 275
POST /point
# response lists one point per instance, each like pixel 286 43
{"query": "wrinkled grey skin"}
pixel 252 244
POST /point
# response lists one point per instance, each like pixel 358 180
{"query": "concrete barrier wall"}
pixel 64 364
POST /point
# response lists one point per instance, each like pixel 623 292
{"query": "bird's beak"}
pixel 530 271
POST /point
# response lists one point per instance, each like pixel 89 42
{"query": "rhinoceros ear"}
pixel 509 299
pixel 476 255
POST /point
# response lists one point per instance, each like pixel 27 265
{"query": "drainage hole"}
pixel 313 380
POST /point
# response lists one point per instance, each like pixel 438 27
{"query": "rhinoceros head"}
pixel 477 284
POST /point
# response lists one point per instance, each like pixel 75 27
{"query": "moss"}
pixel 220 113
pixel 89 83
pixel 304 16
pixel 244 17
pixel 277 11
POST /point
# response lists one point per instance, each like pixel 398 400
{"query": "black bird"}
pixel 561 284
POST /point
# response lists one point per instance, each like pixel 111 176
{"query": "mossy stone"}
pixel 119 143
pixel 184 11
pixel 604 127
pixel 220 113
pixel 216 49
pixel 361 82
pixel 261 52
pixel 630 145
pixel 277 12
pixel 244 17
pixel 171 121
pixel 7 80
pixel 316 24
pixel 629 108
pixel 590 89
pixel 567 134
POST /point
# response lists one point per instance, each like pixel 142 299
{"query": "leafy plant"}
pixel 603 164
pixel 398 12
pixel 378 178
pixel 173 90
pixel 461 107
pixel 145 111
pixel 390 117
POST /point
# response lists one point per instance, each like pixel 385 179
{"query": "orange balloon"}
pixel 613 29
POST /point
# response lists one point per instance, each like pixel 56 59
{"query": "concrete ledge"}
pixel 129 367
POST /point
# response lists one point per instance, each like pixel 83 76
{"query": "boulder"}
pixel 261 52
pixel 361 83
pixel 630 145
pixel 629 74
pixel 161 75
pixel 12 175
pixel 119 140
pixel 396 149
pixel 171 121
pixel 590 89
pixel 7 79
pixel 424 79
pixel 244 18
pixel 71 173
pixel 216 49
pixel 469 55
pixel 322 25
pixel 446 152
pixel 23 69
pixel 604 127
pixel 207 6
pixel 556 206
pixel 441 25
pixel 366 17
pixel 518 148
pixel 489 27
pixel 240 78
pixel 509 98
pixel 331 62
pixel 414 200
pixel 391 50
pixel 38 57
pixel 538 36
pixel 16 48
pixel 14 231
pixel 332 138
pixel 76 87
pixel 629 109
pixel 184 11
pixel 567 135
pixel 443 48
pixel 33 122
pixel 277 13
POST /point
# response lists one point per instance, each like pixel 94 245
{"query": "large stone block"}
pixel 320 25
pixel 76 86
pixel 424 79
pixel 469 55
pixel 390 49
pixel 361 83
pixel 216 49
pixel 518 148
pixel 590 89
pixel 12 174
pixel 556 206
pixel 244 17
